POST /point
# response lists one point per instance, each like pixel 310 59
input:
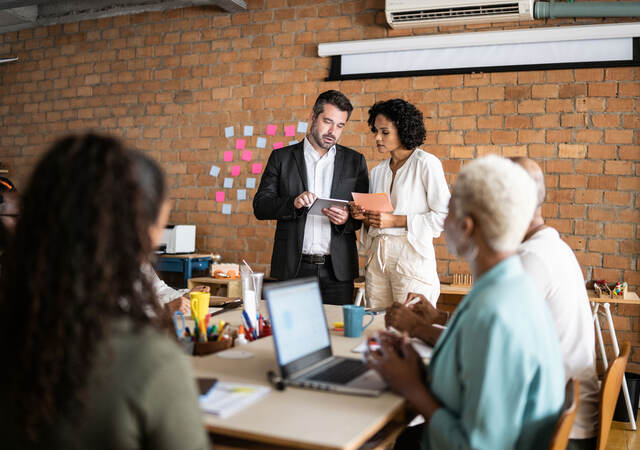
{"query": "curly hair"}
pixel 406 117
pixel 76 257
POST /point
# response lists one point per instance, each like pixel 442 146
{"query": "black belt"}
pixel 315 259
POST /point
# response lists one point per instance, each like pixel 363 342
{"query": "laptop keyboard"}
pixel 341 373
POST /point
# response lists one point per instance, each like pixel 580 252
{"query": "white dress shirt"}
pixel 552 265
pixel 164 292
pixel 317 229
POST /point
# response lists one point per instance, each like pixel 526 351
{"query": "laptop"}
pixel 303 344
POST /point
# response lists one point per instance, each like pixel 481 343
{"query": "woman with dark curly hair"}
pixel 88 365
pixel 401 258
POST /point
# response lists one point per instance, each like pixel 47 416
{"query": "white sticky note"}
pixel 261 142
pixel 242 194
pixel 228 132
pixel 248 130
pixel 226 208
pixel 302 127
pixel 251 183
pixel 293 142
pixel 215 171
pixel 228 183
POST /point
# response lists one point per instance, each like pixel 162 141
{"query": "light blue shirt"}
pixel 497 369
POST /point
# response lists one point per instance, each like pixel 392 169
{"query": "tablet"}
pixel 321 203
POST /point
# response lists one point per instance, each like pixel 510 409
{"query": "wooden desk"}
pixel 596 303
pixel 454 289
pixel 297 417
pixel 184 263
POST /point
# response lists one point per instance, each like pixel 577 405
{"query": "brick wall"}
pixel 169 83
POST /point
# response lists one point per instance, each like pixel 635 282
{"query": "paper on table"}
pixel 420 347
pixel 321 203
pixel 227 398
pixel 373 202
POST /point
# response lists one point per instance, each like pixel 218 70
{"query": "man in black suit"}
pixel 310 245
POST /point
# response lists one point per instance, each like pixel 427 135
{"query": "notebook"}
pixel 303 346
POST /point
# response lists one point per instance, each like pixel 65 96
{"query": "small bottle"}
pixel 241 339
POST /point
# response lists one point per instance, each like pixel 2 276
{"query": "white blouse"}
pixel 420 192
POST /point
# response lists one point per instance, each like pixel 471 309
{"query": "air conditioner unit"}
pixel 424 13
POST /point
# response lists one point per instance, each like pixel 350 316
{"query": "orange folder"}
pixel 373 202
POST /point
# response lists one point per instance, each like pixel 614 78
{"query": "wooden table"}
pixel 631 298
pixel 297 417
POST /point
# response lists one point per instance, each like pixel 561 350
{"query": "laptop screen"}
pixel 297 317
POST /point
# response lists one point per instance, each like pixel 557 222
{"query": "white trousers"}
pixel 394 269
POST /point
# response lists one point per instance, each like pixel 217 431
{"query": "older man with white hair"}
pixel 554 269
pixel 495 380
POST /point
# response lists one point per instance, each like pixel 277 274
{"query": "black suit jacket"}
pixel 284 178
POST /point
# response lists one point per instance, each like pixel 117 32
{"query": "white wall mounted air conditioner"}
pixel 425 13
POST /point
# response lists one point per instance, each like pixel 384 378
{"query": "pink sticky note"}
pixel 256 168
pixel 235 170
pixel 246 155
pixel 219 196
pixel 240 143
pixel 277 145
pixel 290 130
pixel 271 130
pixel 228 156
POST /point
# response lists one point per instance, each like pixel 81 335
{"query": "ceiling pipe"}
pixel 552 10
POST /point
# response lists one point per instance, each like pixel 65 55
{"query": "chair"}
pixel 560 436
pixel 609 392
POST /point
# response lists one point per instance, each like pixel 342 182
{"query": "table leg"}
pixel 187 272
pixel 603 353
pixel 625 389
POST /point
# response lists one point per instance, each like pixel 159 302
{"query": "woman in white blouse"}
pixel 399 245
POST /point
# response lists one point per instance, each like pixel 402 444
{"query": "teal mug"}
pixel 353 316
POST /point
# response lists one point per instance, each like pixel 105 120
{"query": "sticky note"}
pixel 277 145
pixel 240 143
pixel 246 155
pixel 226 208
pixel 302 127
pixel 219 196
pixel 271 130
pixel 242 194
pixel 228 156
pixel 248 130
pixel 261 142
pixel 215 171
pixel 251 183
pixel 228 183
pixel 228 132
pixel 290 130
pixel 235 171
pixel 256 168
pixel 293 142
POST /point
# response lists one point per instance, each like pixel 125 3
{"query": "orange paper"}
pixel 373 202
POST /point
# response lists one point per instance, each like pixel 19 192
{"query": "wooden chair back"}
pixel 560 437
pixel 609 392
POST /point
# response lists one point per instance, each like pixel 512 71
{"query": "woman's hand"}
pixel 200 288
pixel 384 220
pixel 402 318
pixel 399 364
pixel 357 212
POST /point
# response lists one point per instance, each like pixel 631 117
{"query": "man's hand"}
pixel 423 307
pixel 304 199
pixel 379 219
pixel 179 304
pixel 338 215
pixel 403 319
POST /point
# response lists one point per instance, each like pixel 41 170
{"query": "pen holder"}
pixel 207 348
